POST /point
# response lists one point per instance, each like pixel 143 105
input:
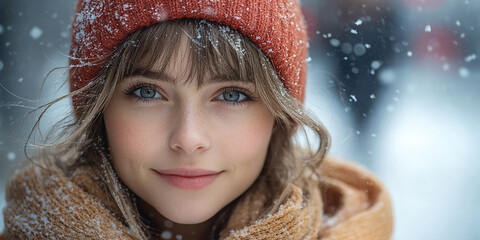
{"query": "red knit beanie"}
pixel 275 26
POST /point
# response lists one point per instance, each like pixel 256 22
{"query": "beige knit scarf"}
pixel 350 204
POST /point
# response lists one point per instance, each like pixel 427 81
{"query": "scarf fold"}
pixel 356 203
pixel 295 218
pixel 349 203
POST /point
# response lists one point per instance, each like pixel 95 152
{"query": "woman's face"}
pixel 187 151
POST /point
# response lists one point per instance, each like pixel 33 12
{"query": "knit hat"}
pixel 275 26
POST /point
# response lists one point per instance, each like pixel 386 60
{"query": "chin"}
pixel 189 221
pixel 189 216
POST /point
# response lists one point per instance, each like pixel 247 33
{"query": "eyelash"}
pixel 133 87
pixel 249 97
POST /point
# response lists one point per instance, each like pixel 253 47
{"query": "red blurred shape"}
pixel 438 45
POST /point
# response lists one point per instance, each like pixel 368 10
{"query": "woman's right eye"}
pixel 147 92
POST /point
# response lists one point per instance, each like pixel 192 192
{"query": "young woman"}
pixel 184 117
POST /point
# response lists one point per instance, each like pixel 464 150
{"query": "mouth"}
pixel 188 179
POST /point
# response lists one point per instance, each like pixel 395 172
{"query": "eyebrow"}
pixel 161 76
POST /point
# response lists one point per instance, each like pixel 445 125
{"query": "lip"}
pixel 188 179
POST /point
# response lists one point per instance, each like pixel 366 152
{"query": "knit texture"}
pixel 350 203
pixel 45 204
pixel 275 26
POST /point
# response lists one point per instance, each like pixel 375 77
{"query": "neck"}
pixel 163 228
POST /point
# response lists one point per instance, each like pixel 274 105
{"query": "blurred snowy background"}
pixel 396 82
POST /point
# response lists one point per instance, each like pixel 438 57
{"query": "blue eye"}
pixel 232 96
pixel 147 92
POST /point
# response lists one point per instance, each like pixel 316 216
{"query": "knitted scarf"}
pixel 350 204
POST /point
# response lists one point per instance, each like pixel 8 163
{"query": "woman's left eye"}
pixel 147 93
pixel 233 96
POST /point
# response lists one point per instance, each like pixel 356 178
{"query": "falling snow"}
pixel 376 65
pixel 464 72
pixel 36 32
pixel 359 22
pixel 354 98
pixel 387 76
pixel 470 58
pixel 446 67
pixel 390 108
pixel 168 223
pixel 166 235
pixel 11 156
pixel 1 29
pixel 359 49
pixel 346 48
pixel 1 65
pixel 428 28
pixel 334 42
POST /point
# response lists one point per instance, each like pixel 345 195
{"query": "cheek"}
pixel 130 136
pixel 122 135
pixel 251 136
pixel 246 140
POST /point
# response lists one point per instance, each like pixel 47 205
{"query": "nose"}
pixel 189 131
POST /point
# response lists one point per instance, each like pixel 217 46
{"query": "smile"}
pixel 188 179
